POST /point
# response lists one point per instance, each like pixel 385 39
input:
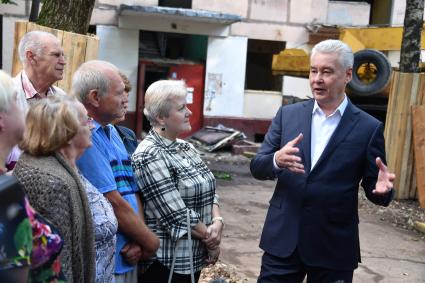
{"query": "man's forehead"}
pixel 329 60
pixel 52 43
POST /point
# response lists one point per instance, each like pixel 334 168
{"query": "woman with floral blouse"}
pixel 176 185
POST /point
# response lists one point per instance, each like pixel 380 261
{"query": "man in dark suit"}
pixel 319 151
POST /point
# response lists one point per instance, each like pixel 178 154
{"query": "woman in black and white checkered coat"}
pixel 177 188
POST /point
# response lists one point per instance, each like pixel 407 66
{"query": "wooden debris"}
pixel 418 121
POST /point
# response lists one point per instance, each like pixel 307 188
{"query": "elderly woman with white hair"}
pixel 178 190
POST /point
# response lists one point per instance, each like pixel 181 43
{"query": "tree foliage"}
pixel 411 45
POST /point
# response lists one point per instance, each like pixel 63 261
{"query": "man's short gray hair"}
pixel 33 41
pixel 89 76
pixel 158 98
pixel 7 91
pixel 346 57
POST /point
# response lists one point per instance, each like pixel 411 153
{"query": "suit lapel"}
pixel 347 123
pixel 305 127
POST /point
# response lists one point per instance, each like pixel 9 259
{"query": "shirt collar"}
pixel 175 146
pixel 29 89
pixel 106 129
pixel 341 108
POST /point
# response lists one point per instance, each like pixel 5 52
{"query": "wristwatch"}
pixel 218 218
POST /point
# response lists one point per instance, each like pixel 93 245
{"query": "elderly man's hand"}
pixel 132 253
pixel 385 180
pixel 286 157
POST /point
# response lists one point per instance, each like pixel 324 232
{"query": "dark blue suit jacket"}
pixel 317 212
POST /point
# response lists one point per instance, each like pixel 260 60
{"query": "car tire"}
pixel 377 76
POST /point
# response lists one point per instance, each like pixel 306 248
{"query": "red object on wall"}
pixel 193 75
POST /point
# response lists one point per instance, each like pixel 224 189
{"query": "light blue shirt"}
pixel 107 166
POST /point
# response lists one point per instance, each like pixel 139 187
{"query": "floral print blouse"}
pixel 27 239
pixel 105 230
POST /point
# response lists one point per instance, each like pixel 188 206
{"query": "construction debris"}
pixel 213 138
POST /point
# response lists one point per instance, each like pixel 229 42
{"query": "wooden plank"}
pixel 406 90
pixel 418 120
pixel 92 48
pixel 20 30
pixel 74 46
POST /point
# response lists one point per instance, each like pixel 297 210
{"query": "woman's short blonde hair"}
pixel 158 98
pixel 7 91
pixel 50 124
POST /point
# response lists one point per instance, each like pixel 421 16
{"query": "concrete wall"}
pixel 269 10
pixel 121 47
pixel 348 13
pixel 237 7
pixel 308 11
pixel 225 76
pixel 298 87
pixel 259 104
pixel 7 42
pixel 127 2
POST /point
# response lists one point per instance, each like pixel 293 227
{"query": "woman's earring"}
pixel 163 129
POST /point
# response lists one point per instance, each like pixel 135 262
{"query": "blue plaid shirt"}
pixel 107 166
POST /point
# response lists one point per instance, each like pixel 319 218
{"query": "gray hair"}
pixel 89 76
pixel 158 98
pixel 346 57
pixel 7 91
pixel 33 41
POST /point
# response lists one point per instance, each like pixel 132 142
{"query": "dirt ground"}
pixel 392 250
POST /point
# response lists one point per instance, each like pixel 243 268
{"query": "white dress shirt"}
pixel 322 128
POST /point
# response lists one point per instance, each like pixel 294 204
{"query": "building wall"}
pixel 121 48
pixel 277 20
pixel 225 76
pixel 237 7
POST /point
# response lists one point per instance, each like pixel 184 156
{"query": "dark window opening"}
pixel 259 65
pixel 259 138
pixel 92 29
pixel 173 46
pixel 176 3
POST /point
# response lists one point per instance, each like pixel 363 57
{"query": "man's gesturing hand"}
pixel 286 157
pixel 384 184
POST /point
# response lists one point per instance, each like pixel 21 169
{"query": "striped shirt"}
pixel 173 180
pixel 107 166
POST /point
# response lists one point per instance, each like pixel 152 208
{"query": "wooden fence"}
pixel 78 49
pixel 406 91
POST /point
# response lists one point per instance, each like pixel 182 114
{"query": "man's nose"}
pixel 62 59
pixel 318 77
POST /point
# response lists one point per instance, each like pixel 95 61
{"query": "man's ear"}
pixel 30 56
pixel 93 98
pixel 348 75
